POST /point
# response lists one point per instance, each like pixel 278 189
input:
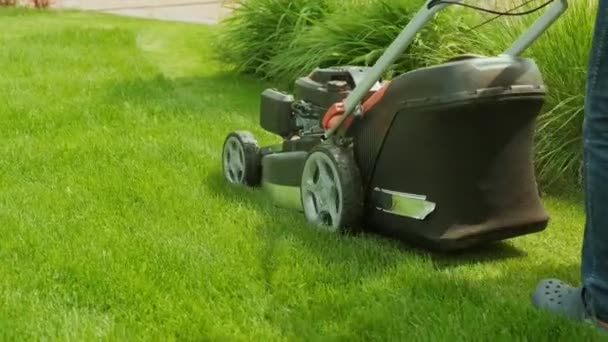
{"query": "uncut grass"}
pixel 117 224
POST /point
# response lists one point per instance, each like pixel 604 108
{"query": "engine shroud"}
pixel 287 115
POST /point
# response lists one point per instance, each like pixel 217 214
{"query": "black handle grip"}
pixel 433 3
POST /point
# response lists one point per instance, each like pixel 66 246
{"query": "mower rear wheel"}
pixel 331 191
pixel 241 159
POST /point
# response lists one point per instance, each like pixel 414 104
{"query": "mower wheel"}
pixel 331 190
pixel 241 159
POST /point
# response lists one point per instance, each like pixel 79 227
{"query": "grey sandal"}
pixel 558 297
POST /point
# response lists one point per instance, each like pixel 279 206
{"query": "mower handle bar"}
pixel 352 103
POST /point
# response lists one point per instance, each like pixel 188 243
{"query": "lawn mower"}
pixel 439 156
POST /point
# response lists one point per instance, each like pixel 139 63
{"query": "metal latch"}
pixel 403 204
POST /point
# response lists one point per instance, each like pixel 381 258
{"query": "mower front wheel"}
pixel 331 190
pixel 241 159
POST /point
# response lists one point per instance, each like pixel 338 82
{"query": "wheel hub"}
pixel 321 197
pixel 234 161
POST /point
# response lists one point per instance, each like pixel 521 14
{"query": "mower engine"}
pixel 292 116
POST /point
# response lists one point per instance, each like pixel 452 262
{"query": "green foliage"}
pixel 358 34
pixel 563 57
pixel 284 39
pixel 260 29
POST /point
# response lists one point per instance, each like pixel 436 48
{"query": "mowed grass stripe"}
pixel 116 222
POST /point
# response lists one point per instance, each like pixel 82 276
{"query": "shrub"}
pixel 358 34
pixel 563 57
pixel 35 3
pixel 259 29
pixel 42 3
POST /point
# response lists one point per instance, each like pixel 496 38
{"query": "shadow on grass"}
pixel 256 199
pixel 428 301
pixel 489 253
pixel 284 223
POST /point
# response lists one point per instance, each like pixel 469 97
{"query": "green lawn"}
pixel 116 222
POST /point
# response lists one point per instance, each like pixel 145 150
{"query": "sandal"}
pixel 560 298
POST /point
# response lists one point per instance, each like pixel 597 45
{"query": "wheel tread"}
pixel 350 183
pixel 251 151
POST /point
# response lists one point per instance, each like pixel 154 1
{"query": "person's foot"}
pixel 560 298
